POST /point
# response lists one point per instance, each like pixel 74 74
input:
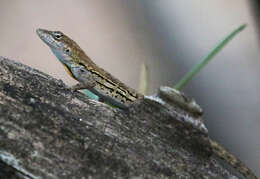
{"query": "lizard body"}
pixel 84 70
pixel 103 84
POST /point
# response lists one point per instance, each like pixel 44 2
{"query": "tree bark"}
pixel 47 131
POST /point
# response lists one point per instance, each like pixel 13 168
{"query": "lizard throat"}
pixel 64 62
pixel 69 71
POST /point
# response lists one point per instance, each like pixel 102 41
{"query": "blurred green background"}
pixel 170 37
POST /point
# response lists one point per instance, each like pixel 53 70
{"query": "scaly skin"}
pixel 98 81
pixel 111 90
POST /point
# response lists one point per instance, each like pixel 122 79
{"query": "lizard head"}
pixel 64 48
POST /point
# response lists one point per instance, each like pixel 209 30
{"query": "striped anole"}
pixel 84 70
pixel 111 90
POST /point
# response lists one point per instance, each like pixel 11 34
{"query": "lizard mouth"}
pixel 41 33
pixel 46 37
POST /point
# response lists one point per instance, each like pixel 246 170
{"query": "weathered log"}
pixel 47 131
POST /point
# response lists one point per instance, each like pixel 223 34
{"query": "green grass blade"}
pixel 209 57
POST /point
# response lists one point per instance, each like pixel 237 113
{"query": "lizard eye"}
pixel 67 50
pixel 57 35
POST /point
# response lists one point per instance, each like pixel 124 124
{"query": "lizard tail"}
pixel 232 160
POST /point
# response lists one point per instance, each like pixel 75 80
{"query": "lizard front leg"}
pixel 85 78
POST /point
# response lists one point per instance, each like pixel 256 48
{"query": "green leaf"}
pixel 188 76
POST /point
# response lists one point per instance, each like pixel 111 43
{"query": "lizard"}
pixel 90 76
pixel 96 79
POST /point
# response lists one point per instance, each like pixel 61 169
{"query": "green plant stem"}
pixel 188 76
